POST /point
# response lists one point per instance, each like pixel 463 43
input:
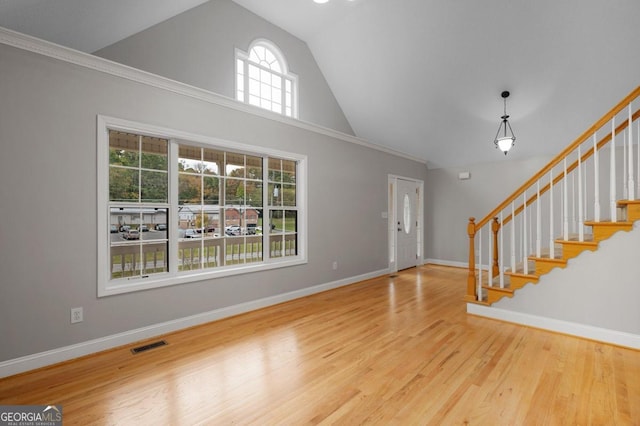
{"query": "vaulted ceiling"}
pixel 423 77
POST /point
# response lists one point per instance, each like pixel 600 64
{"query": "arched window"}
pixel 263 79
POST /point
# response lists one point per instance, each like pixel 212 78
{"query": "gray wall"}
pixel 450 201
pixel 197 48
pixel 601 297
pixel 48 112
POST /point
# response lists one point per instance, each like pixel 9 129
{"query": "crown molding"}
pixel 72 56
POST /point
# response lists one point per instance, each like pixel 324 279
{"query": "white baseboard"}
pixel 446 263
pixel 43 359
pixel 613 337
pixel 453 263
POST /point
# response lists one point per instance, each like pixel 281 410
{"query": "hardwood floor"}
pixel 384 351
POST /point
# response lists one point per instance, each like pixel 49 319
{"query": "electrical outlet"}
pixel 335 265
pixel 76 315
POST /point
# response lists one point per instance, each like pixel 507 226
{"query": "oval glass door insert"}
pixel 407 214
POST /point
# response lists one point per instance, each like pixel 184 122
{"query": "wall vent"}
pixel 148 347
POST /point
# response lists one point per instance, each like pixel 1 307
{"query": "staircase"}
pixel 541 225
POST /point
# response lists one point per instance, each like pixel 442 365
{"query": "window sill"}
pixel 164 280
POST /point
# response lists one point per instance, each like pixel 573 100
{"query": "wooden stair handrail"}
pixel 472 226
pixel 605 140
pixel 558 158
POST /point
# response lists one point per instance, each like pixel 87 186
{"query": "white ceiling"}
pixel 87 25
pixel 423 77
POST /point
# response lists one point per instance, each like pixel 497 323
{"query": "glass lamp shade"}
pixel 505 143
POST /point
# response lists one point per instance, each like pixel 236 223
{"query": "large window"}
pixel 176 208
pixel 262 79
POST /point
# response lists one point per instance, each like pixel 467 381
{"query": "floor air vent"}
pixel 148 346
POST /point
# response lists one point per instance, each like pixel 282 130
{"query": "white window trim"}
pixel 107 287
pixel 286 74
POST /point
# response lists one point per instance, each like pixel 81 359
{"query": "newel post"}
pixel 495 227
pixel 471 279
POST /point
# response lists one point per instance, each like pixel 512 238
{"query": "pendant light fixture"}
pixel 504 141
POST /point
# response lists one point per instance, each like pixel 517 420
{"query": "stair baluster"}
pixel 565 203
pixel 551 231
pixel 479 290
pixel 625 181
pixel 596 178
pixel 538 221
pixel 500 268
pixel 612 172
pixel 513 238
pixel 631 184
pixel 525 264
pixel 638 151
pixel 580 205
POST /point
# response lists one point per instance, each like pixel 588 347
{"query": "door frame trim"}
pixel 392 217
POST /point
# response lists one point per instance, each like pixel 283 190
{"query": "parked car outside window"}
pixel 131 234
pixel 232 230
pixel 191 233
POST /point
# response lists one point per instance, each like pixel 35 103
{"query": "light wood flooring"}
pixel 384 351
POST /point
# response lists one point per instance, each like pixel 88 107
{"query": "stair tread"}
pixel 626 202
pixel 575 240
pixel 520 273
pixel 545 254
pixel 495 282
pixel 496 286
pixel 482 302
pixel 608 222
pixel 546 258
pixel 574 237
pixel 531 265
pixel 484 298
pixel 504 289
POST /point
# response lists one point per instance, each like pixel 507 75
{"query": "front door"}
pixel 407 223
